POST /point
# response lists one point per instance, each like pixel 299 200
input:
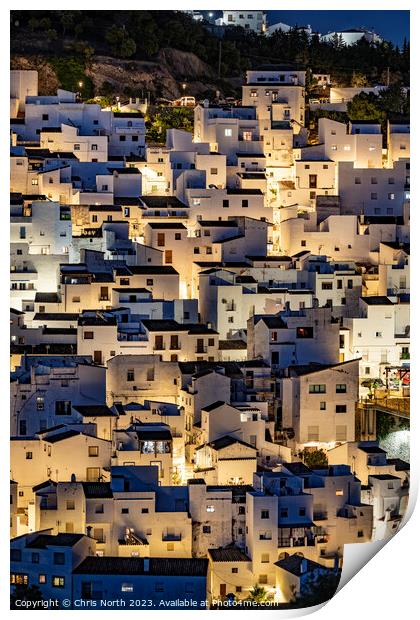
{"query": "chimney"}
pixel 146 564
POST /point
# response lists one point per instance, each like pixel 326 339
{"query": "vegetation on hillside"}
pixel 141 34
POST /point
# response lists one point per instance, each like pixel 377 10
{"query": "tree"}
pixel 122 45
pixel 372 384
pixel 258 594
pixel 318 590
pixel 25 593
pixel 385 425
pixel 359 80
pixel 167 118
pixel 314 458
pixel 365 107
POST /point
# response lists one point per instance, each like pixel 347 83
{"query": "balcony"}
pixel 200 349
pixel 159 347
pixel 171 537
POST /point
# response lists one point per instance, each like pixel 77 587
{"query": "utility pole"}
pixel 220 59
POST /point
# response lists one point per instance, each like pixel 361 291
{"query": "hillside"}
pixel 131 52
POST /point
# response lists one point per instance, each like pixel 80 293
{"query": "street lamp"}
pixel 184 86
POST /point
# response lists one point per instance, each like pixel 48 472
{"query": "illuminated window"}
pixel 57 582
pixel 210 508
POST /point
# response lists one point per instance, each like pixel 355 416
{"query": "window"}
pixel 327 286
pixel 88 335
pixel 357 181
pixel 16 555
pixel 149 282
pixel 339 492
pixel 234 569
pixel 313 433
pixel 340 388
pixel 177 236
pixel 302 512
pixel 59 558
pixel 94 147
pixel 391 196
pixel 127 587
pixel 263 579
pixel 206 529
pixel 42 579
pixel 125 511
pixel 360 534
pixel 40 403
pixel 244 204
pixel 29 456
pixel 341 408
pixel 317 388
pixel 225 204
pixel 45 117
pixel 378 334
pixel 265 558
pixel 228 133
pixel 70 505
pixel 210 508
pixel 349 283
pixel 130 374
pixel 374 196
pixel 57 582
pixel 99 509
pixel 62 407
pixel 144 511
pixel 304 332
pixel 77 147
pixel 18 579
pixel 265 514
pixel 93 450
pixel 213 170
pixel 170 546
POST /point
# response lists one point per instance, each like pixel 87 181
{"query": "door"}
pixel 312 181
pixel 200 345
pixel 161 239
pixel 168 257
pixel 97 357
pixel 222 590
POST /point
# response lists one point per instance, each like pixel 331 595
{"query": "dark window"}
pixel 35 558
pixel 206 529
pixel 226 204
pixel 16 555
pixel 341 388
pixel 341 408
pixel 59 558
pixel 62 407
